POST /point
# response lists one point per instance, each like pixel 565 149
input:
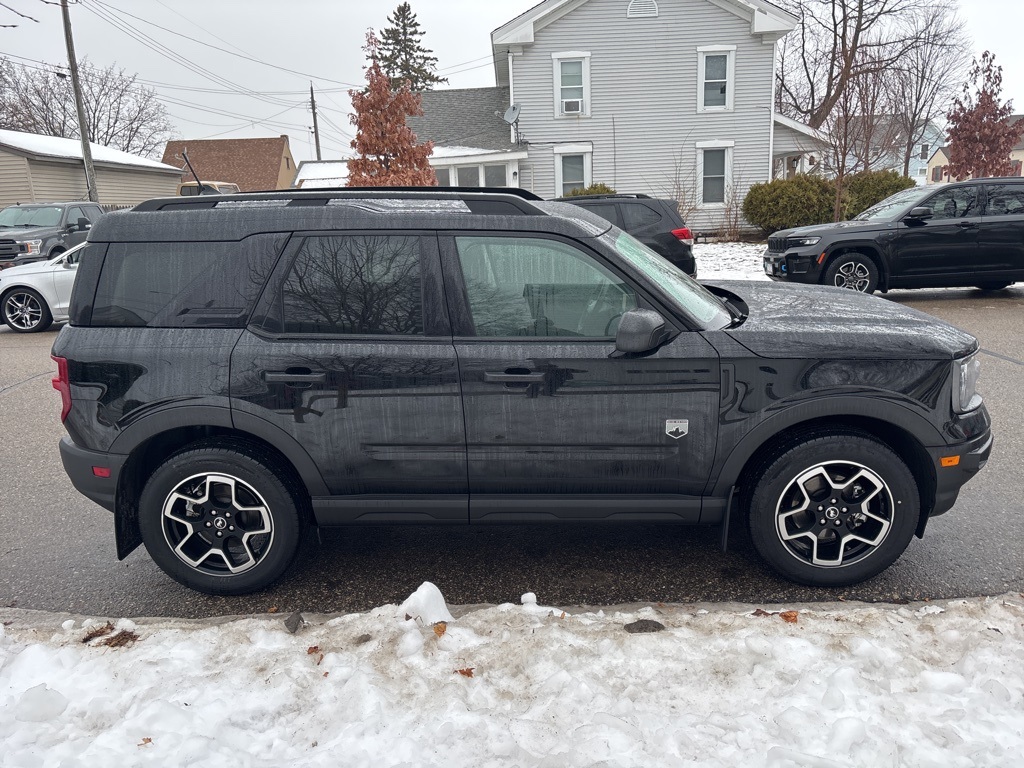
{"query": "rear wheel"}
pixel 25 311
pixel 854 271
pixel 220 517
pixel 834 510
pixel 993 286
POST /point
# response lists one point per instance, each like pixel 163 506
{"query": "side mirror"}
pixel 921 212
pixel 640 330
pixel 84 225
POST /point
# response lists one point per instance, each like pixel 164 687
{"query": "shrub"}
pixel 593 189
pixel 785 203
pixel 869 187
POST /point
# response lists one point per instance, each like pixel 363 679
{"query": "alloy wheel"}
pixel 23 310
pixel 853 275
pixel 217 524
pixel 834 514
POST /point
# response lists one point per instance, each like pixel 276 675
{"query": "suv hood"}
pixel 803 321
pixel 22 233
pixel 843 227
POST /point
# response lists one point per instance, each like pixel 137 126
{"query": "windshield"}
pixel 888 208
pixel 700 303
pixel 30 216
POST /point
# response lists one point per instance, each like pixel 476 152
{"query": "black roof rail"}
pixel 608 195
pixel 510 197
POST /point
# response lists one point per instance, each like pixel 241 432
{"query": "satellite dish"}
pixel 511 114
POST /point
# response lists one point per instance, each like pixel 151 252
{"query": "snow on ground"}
pixel 934 684
pixel 729 261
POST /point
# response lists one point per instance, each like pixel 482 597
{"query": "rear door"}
pixel 1001 242
pixel 555 426
pixel 942 250
pixel 350 354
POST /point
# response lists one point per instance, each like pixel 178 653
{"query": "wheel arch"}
pixel 904 433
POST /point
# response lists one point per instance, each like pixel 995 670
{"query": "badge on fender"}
pixel 676 428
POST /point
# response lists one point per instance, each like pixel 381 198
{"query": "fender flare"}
pixel 835 407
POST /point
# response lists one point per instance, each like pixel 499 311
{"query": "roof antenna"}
pixel 184 156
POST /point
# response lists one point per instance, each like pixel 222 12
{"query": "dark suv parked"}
pixel 238 367
pixel 654 222
pixel 41 231
pixel 962 234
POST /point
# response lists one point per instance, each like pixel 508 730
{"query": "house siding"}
pixel 125 187
pixel 54 182
pixel 14 180
pixel 643 124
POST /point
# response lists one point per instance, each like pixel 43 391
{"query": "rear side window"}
pixel 180 285
pixel 352 285
pixel 636 215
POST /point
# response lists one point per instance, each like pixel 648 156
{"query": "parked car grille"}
pixel 9 249
pixel 777 244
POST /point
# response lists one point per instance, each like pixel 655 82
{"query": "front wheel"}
pixel 834 510
pixel 854 271
pixel 994 286
pixel 25 311
pixel 219 517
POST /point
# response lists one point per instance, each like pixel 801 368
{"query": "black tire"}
pixel 858 539
pixel 55 253
pixel 262 498
pixel 854 271
pixel 25 311
pixel 994 286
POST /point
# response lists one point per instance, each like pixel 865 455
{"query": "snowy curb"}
pixel 929 684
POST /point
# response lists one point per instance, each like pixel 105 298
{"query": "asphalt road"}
pixel 57 548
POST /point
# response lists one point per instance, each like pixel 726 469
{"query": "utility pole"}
pixel 90 172
pixel 316 129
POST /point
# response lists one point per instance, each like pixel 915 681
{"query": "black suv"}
pixel 41 231
pixel 239 367
pixel 970 233
pixel 654 222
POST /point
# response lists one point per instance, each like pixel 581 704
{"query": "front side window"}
pixel 533 287
pixel 74 214
pixel 714 176
pixel 954 203
pixel 354 284
pixel 715 87
pixel 1005 200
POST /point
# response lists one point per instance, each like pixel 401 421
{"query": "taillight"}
pixel 684 235
pixel 62 385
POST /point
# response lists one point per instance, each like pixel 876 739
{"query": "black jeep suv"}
pixel 239 367
pixel 41 231
pixel 654 222
pixel 962 234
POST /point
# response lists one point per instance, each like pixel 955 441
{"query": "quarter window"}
pixel 637 215
pixel 532 287
pixel 354 284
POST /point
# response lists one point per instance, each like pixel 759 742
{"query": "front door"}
pixel 555 427
pixel 350 354
pixel 941 250
pixel 1001 243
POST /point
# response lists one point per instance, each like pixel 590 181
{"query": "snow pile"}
pixel 729 261
pixel 524 685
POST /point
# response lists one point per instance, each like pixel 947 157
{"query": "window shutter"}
pixel 642 9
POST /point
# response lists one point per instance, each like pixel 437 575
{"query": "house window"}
pixel 572 167
pixel 495 176
pixel 716 78
pixel 924 152
pixel 642 9
pixel 714 161
pixel 571 83
pixel 468 176
pixel 478 174
pixel 937 173
pixel 443 177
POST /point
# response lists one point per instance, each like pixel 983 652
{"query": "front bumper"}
pixel 79 465
pixel 970 457
pixel 787 265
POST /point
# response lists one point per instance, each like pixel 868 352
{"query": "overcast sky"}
pixel 215 94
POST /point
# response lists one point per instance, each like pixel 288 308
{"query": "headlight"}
pixel 965 383
pixel 31 246
pixel 804 241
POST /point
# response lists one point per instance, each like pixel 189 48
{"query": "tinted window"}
pixel 523 286
pixel 176 285
pixel 353 284
pixel 1005 200
pixel 74 214
pixel 954 203
pixel 604 210
pixel 636 215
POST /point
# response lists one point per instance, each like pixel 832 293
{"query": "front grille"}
pixel 777 244
pixel 9 249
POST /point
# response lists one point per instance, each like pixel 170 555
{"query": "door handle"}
pixel 492 377
pixel 967 225
pixel 295 376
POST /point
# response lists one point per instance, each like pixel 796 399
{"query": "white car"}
pixel 34 296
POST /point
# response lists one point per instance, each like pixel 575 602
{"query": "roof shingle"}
pixel 464 117
pixel 253 164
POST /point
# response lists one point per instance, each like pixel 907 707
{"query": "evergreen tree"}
pixel 981 136
pixel 402 55
pixel 386 148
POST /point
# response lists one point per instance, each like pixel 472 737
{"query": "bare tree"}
pixel 835 42
pixel 120 113
pixel 922 83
